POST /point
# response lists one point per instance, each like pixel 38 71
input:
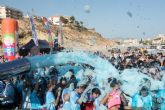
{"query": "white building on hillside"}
pixel 56 20
pixel 9 12
pixel 159 39
pixel 131 42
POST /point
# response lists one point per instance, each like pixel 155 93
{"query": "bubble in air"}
pixel 129 14
pixel 87 8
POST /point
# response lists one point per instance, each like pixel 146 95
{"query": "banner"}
pixel 61 35
pixel 34 34
pixel 8 45
pixel 9 27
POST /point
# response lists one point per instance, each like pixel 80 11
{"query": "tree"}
pixel 77 24
pixel 63 20
pixel 72 19
pixel 81 23
pixel 147 42
pixel 141 41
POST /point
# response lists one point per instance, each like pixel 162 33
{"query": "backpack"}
pixel 88 106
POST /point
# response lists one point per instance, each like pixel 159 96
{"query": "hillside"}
pixel 73 38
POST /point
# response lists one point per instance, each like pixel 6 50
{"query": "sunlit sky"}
pixel 111 18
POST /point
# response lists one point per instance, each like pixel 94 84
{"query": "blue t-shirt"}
pixel 73 100
pixel 161 94
pixel 9 92
pixel 65 91
pixel 20 86
pixel 136 100
pixel 97 104
pixel 139 101
pixel 163 68
pixel 35 102
pixel 49 101
pixel 147 102
pixel 66 106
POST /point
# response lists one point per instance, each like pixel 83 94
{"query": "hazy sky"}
pixel 111 18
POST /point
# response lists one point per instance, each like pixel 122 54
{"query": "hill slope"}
pixel 73 39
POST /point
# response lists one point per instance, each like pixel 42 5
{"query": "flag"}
pixel 34 34
pixel 55 43
pixel 17 41
pixel 46 22
pixel 61 34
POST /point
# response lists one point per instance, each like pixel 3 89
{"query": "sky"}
pixel 111 18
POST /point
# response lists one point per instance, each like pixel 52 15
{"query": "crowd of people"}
pixel 45 89
pixel 35 92
pixel 147 63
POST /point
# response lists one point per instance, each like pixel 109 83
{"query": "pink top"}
pixel 114 99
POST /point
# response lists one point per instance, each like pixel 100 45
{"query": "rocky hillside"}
pixel 74 38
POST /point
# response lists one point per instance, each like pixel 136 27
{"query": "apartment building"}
pixel 9 12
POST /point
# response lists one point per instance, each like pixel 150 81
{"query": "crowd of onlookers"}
pixel 46 91
pixel 149 64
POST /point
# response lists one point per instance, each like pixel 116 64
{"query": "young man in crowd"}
pixel 77 96
pixel 93 103
pixel 95 94
pixel 142 100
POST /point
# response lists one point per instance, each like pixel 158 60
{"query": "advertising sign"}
pixel 8 44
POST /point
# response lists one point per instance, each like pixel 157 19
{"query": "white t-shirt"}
pixel 66 106
pixel 139 102
pixel 73 101
pixel 96 104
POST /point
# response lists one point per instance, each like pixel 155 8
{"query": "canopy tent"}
pixel 31 48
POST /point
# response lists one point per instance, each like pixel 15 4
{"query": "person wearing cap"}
pixel 77 96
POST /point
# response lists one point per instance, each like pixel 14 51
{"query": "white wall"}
pixel 2 12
